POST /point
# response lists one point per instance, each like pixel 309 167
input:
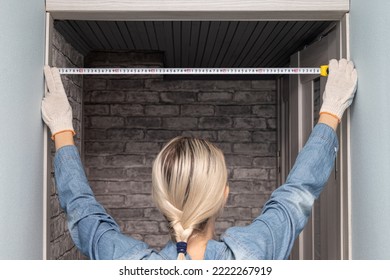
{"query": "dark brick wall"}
pixel 127 120
pixel 64 55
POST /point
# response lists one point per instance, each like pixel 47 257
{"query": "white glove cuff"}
pixel 61 125
pixel 334 109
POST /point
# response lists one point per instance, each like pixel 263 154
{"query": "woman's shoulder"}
pixel 253 241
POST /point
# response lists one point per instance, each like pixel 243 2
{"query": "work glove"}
pixel 56 110
pixel 340 88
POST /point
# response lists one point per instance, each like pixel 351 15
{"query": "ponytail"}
pixel 189 178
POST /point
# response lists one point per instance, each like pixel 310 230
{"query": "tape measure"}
pixel 323 71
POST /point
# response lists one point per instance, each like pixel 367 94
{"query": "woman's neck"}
pixel 197 243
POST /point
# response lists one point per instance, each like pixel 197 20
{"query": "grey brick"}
pixel 241 84
pixel 255 97
pixel 55 208
pixel 238 160
pixel 264 136
pixel 161 135
pixel 96 109
pixel 249 123
pixel 142 227
pixel 265 111
pixel 75 91
pixel 265 186
pixel 106 173
pixel 95 83
pixel 127 110
pixel 140 173
pixel 273 175
pixel 124 160
pixel 264 84
pixel 163 227
pixel 111 200
pixel 180 123
pixel 120 187
pixel 271 123
pixel 153 214
pixel 94 161
pixel 249 200
pixel 242 186
pixel 178 97
pixel 103 147
pixel 126 213
pixel 139 200
pixel 106 122
pixel 125 134
pixel 143 122
pixel 250 173
pixel 242 223
pixel 105 96
pixel 162 110
pixel 197 110
pixel 142 147
pixel 256 211
pixel 57 227
pixel 269 162
pixel 215 122
pixel 253 148
pixel 237 213
pixel 225 147
pixel 234 136
pixel 233 110
pixel 95 134
pixel 142 97
pixel 123 84
pixel 218 96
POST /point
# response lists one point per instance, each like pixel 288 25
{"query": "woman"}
pixel 190 187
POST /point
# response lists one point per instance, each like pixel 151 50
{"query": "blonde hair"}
pixel 189 178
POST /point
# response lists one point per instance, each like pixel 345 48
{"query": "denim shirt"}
pixel 270 236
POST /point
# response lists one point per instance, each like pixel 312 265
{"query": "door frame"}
pixel 299 128
pixel 315 10
pixel 249 10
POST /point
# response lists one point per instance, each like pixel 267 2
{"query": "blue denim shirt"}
pixel 270 236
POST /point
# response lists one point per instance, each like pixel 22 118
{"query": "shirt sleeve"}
pixel 93 231
pixel 272 234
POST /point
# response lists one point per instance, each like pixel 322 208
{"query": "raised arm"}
pixel 272 234
pixel 93 231
pixel 287 211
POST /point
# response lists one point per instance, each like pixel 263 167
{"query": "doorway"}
pixel 224 51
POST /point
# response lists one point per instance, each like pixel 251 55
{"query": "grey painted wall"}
pixel 22 27
pixel 370 130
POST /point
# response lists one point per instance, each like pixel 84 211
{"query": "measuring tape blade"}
pixel 323 71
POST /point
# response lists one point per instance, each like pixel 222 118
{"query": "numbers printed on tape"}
pixel 193 71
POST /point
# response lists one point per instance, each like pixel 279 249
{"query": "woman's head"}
pixel 189 182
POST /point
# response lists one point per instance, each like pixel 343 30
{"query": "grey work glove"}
pixel 340 88
pixel 56 110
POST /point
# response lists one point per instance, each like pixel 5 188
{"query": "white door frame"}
pixel 300 123
pixel 249 10
pixel 46 147
pixel 315 10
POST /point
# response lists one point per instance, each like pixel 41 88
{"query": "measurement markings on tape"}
pixel 323 71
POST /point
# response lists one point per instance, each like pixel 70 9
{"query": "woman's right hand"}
pixel 56 110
